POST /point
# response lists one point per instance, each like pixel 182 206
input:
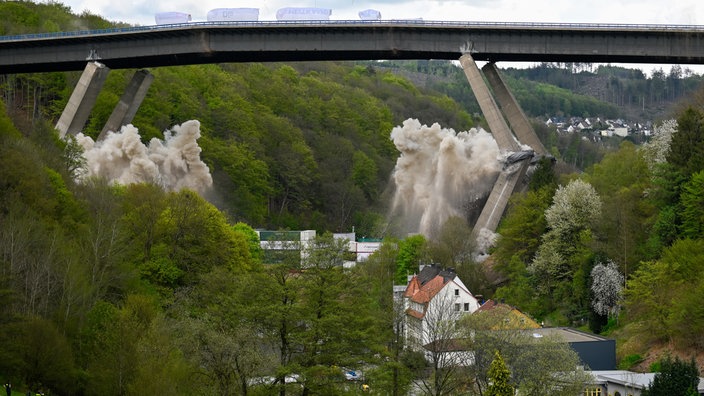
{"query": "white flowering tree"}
pixel 655 151
pixel 575 207
pixel 607 285
pixel 564 248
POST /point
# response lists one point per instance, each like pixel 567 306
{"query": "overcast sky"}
pixel 687 12
pixel 588 11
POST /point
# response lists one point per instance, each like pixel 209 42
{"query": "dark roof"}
pixel 431 271
pixel 568 334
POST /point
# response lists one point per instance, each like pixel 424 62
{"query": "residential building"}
pixel 623 383
pixel 434 299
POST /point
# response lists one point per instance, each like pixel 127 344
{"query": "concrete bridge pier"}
pixel 514 114
pixel 129 103
pixel 499 128
pixel 509 178
pixel 82 100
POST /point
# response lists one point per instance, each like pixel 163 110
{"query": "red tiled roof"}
pixel 425 293
pixel 488 305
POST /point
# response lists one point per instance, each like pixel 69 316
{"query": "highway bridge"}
pixel 274 41
pixel 96 52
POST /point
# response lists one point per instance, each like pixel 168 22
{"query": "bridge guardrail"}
pixel 396 22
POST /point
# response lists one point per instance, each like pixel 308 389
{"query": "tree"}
pixel 607 283
pixel 499 378
pixel 410 252
pixel 675 377
pixel 692 201
pixel 655 151
pixel 452 246
pixel 392 377
pixel 143 207
pixel 336 307
pixel 687 146
pixel 215 317
pixel 622 178
pixel 661 297
pixel 558 266
pixel 255 249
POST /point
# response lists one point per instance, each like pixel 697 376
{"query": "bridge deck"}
pixel 215 42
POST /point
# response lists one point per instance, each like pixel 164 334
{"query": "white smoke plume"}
pixel 440 172
pixel 173 163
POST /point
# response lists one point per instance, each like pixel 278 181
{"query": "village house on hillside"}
pixel 431 298
pixel 595 128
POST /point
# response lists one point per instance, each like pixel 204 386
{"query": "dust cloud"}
pixel 173 163
pixel 439 173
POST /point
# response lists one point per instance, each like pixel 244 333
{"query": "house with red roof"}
pixel 434 300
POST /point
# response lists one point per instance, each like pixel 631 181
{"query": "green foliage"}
pixel 661 296
pixel 197 236
pixel 255 249
pixel 675 377
pixel 300 146
pixel 692 200
pixel 521 228
pixel 687 146
pixel 410 252
pixel 161 272
pixel 629 361
pixel 622 178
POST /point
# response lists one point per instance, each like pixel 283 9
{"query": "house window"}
pixel 457 292
pixel 592 392
pixel 457 307
pixel 466 307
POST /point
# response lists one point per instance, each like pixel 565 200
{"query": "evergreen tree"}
pixel 499 377
pixel 692 202
pixel 687 145
pixel 676 377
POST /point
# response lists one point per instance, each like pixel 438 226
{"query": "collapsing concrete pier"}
pixel 82 99
pixel 517 163
pixel 85 95
pixel 129 103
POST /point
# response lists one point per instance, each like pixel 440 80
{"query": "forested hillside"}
pixel 109 289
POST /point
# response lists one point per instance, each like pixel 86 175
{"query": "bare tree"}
pixel 440 338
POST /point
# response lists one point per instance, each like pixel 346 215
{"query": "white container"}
pixel 233 14
pixel 370 15
pixel 167 18
pixel 303 14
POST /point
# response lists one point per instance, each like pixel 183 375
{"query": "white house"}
pixel 623 383
pixel 433 300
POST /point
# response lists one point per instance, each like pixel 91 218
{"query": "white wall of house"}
pixel 447 306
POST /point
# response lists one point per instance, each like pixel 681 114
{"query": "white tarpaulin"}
pixel 166 18
pixel 233 14
pixel 303 14
pixel 370 14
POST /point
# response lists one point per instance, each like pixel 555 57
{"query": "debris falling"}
pixel 440 172
pixel 173 163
